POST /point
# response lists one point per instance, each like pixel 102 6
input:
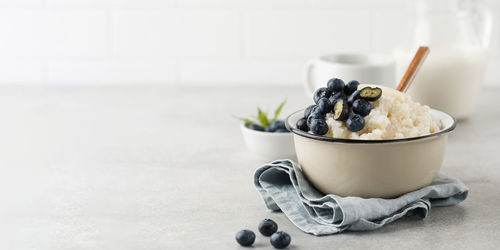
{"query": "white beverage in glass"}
pixel 450 78
pixel 457 33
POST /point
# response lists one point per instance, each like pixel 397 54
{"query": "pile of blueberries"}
pixel 267 228
pixel 345 101
pixel 274 127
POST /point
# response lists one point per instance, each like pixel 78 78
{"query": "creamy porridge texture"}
pixel 393 116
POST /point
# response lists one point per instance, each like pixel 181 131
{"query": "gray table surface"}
pixel 166 168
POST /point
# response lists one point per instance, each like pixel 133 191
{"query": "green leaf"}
pixel 245 120
pixel 262 117
pixel 278 110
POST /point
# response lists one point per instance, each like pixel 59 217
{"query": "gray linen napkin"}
pixel 285 188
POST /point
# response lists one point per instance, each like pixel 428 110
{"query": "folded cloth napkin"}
pixel 285 188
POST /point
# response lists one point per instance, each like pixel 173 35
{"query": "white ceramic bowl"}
pixel 370 168
pixel 270 145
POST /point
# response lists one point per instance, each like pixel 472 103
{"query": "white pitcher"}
pixel 458 35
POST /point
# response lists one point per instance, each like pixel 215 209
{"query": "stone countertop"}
pixel 166 168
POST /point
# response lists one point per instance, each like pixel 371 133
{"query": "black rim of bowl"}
pixel 297 131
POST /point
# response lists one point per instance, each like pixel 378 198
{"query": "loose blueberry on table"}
pixel 280 240
pixel 345 101
pixel 245 237
pixel 267 227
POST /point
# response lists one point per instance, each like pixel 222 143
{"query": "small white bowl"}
pixel 271 145
pixel 370 168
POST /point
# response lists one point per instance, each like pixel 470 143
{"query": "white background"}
pixel 194 42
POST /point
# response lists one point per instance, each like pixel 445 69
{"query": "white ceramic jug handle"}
pixel 308 84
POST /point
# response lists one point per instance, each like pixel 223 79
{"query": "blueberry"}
pixel 362 107
pixel 353 97
pixel 308 110
pixel 274 126
pixel 279 124
pixel 267 227
pixel 302 124
pixel 321 92
pixel 314 115
pixel 318 126
pixel 335 85
pixel 332 99
pixel 355 122
pixel 370 94
pixel 245 237
pixel 309 120
pixel 337 96
pixel 280 240
pixel 324 105
pixel 254 126
pixel 350 87
pixel 340 110
pixel 281 130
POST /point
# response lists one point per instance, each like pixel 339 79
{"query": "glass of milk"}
pixel 458 34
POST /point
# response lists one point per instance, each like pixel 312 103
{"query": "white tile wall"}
pixel 26 72
pixel 388 33
pixel 176 33
pixel 122 71
pixel 241 3
pixel 194 42
pixel 305 33
pixel 111 3
pixel 53 33
pixel 21 3
pixel 226 72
